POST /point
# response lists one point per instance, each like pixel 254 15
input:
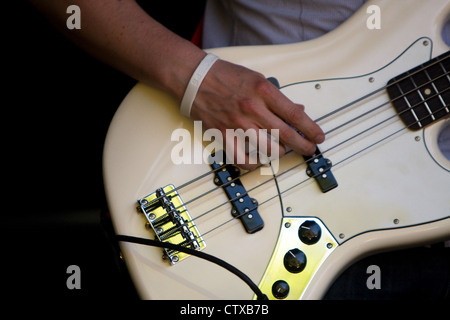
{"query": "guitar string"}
pixel 305 180
pixel 335 111
pixel 421 68
pixel 276 176
pixel 413 90
pixel 331 148
pixel 200 238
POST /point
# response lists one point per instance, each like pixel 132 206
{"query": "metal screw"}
pixel 287 224
pixel 425 43
pixel 371 79
pixel 396 221
pixel 317 86
pixel 342 236
pixel 329 245
pixel 417 138
pixel 289 209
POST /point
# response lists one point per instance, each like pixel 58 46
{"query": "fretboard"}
pixel 422 95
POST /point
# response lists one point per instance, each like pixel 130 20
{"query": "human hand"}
pixel 233 97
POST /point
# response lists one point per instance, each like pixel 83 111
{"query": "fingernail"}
pixel 319 138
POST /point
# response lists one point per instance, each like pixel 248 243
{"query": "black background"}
pixel 57 105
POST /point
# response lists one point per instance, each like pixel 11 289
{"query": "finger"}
pixel 293 139
pixel 287 134
pixel 293 113
pixel 268 149
pixel 296 116
pixel 251 147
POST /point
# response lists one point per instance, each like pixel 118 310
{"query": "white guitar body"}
pixel 393 183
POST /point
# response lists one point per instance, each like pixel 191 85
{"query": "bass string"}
pixel 275 177
pixel 422 68
pixel 374 109
pixel 297 184
pixel 301 163
pixel 305 180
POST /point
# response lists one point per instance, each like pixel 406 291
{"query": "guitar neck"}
pixel 421 95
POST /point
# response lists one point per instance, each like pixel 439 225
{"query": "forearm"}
pixel 122 35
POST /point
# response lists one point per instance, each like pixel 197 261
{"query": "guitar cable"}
pixel 199 254
pixel 166 245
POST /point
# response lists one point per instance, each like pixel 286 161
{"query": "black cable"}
pixel 199 254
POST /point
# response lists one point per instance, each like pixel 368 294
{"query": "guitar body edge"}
pixel 371 243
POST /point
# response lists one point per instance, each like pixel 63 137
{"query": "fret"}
pixel 436 91
pixel 445 71
pixel 445 83
pixel 443 103
pixel 405 98
pixel 422 95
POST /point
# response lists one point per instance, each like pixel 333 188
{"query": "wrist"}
pixel 194 83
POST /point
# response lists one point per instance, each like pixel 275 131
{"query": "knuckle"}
pixel 295 115
pixel 300 107
pixel 287 135
pixel 264 87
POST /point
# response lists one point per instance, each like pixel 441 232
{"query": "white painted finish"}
pixel 396 179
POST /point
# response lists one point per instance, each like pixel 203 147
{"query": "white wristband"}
pixel 195 82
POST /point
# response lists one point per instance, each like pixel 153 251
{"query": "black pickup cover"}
pixel 319 168
pixel 243 207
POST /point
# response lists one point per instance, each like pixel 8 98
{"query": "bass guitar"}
pixel 380 181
